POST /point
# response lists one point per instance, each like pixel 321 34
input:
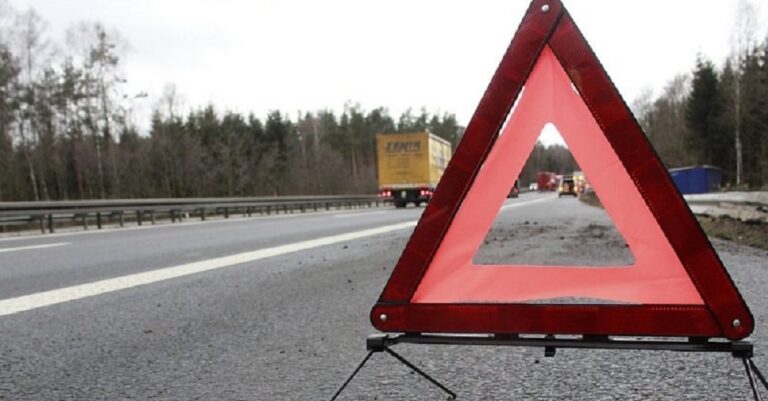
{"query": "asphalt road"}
pixel 168 313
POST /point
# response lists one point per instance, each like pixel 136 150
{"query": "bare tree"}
pixel 31 49
pixel 743 40
pixel 97 52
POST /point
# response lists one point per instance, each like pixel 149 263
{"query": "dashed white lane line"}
pixel 47 298
pixel 528 202
pixel 25 248
pixel 347 215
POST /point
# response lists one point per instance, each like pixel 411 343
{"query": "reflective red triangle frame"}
pixel 724 313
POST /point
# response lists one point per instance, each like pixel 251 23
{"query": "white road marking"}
pixel 47 298
pixel 346 215
pixel 524 203
pixel 24 248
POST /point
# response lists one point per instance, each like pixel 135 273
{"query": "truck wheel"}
pixel 399 204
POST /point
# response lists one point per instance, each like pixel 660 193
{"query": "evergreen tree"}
pixel 704 117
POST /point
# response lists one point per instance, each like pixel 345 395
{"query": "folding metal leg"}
pixel 750 376
pixel 352 376
pixel 379 343
pixel 419 371
pixel 752 372
pixel 758 373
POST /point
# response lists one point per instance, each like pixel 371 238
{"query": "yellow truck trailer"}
pixel 410 166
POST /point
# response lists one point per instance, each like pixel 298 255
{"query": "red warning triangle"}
pixel 677 285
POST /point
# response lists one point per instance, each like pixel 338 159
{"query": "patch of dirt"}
pixel 602 235
pixel 745 233
pixel 752 233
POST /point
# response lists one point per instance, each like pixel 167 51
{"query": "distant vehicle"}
pixel 580 181
pixel 515 191
pixel 567 186
pixel 533 186
pixel 410 166
pixel 546 181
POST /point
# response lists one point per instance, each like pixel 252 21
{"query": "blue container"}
pixel 697 179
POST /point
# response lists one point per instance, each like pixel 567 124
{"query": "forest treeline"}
pixel 67 131
pixel 717 115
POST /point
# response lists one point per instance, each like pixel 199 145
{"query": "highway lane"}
pixel 42 263
pixel 292 326
pixel 90 256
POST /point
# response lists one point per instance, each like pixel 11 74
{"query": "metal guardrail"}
pixel 118 210
pixel 745 206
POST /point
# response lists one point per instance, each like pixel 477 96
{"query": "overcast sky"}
pixel 307 55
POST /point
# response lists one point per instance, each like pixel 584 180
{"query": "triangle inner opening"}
pixel 552 216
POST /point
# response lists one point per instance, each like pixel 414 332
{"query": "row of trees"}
pixel 205 154
pixel 66 131
pixel 61 109
pixel 717 116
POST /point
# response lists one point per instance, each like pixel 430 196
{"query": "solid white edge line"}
pixel 47 298
pixel 25 248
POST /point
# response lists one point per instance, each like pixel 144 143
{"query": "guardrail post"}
pixel 226 212
pixel 285 209
pixel 248 211
pixel 50 224
pixel 173 216
pixel 98 220
pixel 42 223
pixel 138 217
pixel 122 218
pixel 314 206
pixel 202 214
pixel 85 221
pixel 152 216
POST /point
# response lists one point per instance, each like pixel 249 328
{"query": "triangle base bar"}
pixel 738 349
pixel 616 320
